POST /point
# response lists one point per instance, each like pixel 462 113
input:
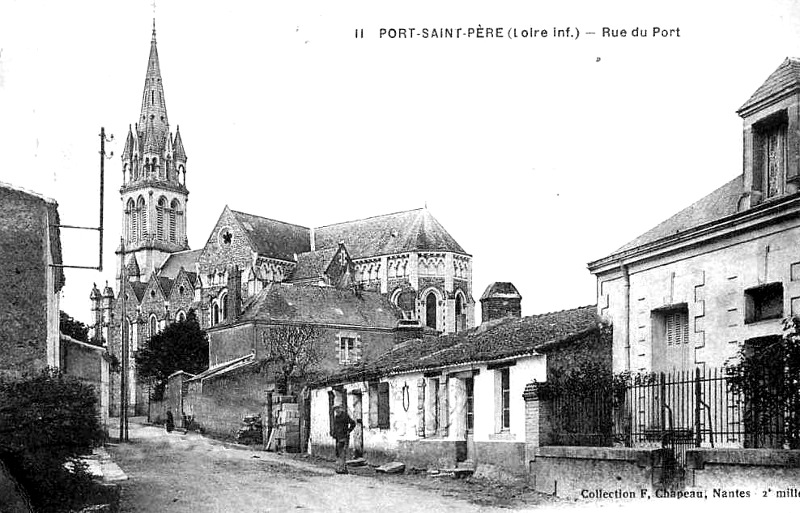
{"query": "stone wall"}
pixel 219 404
pixel 759 469
pixel 89 364
pixel 579 472
pixel 29 316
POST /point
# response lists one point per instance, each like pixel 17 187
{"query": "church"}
pixel 403 265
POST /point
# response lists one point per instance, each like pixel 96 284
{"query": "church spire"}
pixel 153 105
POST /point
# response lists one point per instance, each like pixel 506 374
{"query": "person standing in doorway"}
pixel 340 431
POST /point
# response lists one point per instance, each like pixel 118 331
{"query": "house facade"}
pixel 456 400
pixel 725 271
pixel 407 257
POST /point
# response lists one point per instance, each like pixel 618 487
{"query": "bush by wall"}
pixel 47 422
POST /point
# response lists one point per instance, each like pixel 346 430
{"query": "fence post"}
pixel 662 398
pixel 698 397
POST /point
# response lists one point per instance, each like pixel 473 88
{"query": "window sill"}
pixel 502 435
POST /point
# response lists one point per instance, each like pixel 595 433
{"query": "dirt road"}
pixel 189 473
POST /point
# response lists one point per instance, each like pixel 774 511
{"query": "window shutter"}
pixel 330 411
pixel 339 349
pixel 373 405
pixel 383 405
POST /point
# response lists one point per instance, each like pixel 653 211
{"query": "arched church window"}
pixel 223 306
pixel 130 216
pixel 181 316
pixel 214 314
pixel 430 310
pixel 153 325
pixel 141 208
pixel 175 207
pixel 460 317
pixel 162 204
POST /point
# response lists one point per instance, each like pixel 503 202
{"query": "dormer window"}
pixel 769 154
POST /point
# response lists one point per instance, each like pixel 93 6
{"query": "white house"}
pixel 455 400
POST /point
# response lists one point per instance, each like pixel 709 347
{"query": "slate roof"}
pixel 388 234
pixel 138 289
pixel 288 302
pixel 166 285
pixel 501 289
pixel 313 263
pixel 720 203
pixel 274 239
pixel 175 261
pixel 507 338
pixel 781 81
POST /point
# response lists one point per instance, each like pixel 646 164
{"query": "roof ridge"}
pixel 371 217
pixel 268 219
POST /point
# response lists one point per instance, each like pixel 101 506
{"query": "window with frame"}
pixel 763 303
pixel 502 399
pixel 153 325
pixel 379 405
pixel 347 350
pixel 676 326
pixel 769 154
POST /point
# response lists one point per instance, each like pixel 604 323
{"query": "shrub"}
pixel 46 423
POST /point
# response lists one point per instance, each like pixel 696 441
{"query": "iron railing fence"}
pixel 700 408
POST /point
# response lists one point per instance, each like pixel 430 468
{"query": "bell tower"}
pixel 153 191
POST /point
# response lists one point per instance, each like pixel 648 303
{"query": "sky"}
pixel 537 154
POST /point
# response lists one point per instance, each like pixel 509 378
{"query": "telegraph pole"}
pixel 123 400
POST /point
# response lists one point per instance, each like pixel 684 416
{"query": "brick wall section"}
pixel 24 267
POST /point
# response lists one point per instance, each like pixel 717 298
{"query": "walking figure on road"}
pixel 340 430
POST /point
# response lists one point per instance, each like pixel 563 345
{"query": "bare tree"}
pixel 295 350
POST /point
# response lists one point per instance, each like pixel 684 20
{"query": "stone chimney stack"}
pixel 234 293
pixel 501 299
pixel 408 329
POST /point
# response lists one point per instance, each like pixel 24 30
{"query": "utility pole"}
pixel 123 400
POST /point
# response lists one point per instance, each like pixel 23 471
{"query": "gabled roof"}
pixel 412 230
pixel 274 239
pixel 495 341
pixel 313 263
pixel 720 203
pixel 175 261
pixel 782 81
pixel 313 304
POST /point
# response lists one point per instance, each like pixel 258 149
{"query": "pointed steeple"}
pixel 179 152
pixel 153 105
pixel 127 153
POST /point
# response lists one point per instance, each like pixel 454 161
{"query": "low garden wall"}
pixel 760 469
pixel 592 472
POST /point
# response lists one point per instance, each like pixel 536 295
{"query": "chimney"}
pixel 408 329
pixel 501 299
pixel 234 293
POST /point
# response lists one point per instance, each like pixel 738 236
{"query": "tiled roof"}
pixel 503 289
pixel 166 285
pixel 782 80
pixel 720 203
pixel 388 234
pixel 274 239
pixel 494 341
pixel 138 289
pixel 313 263
pixel 224 368
pixel 175 261
pixel 287 302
